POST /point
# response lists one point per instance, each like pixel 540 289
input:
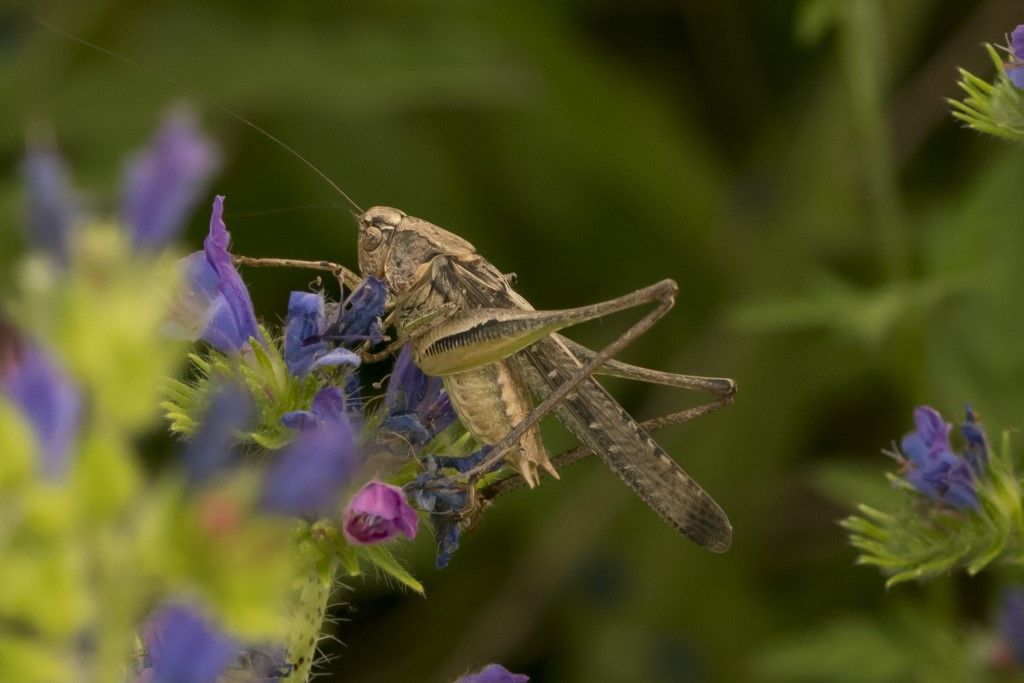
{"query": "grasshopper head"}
pixel 400 248
pixel 376 228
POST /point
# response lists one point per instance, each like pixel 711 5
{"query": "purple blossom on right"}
pixel 934 469
pixel 1015 67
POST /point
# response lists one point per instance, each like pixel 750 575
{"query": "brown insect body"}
pixel 432 273
pixel 423 266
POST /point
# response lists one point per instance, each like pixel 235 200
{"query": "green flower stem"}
pixel 863 53
pixel 310 609
pixel 118 595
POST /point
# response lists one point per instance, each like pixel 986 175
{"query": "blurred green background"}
pixel 844 249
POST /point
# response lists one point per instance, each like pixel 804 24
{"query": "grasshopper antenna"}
pixel 205 100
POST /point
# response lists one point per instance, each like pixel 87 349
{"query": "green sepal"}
pixel 349 560
pixel 383 559
pixel 261 371
pixel 994 108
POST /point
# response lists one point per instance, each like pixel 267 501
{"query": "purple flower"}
pixel 494 673
pixel 35 384
pixel 52 206
pixel 181 645
pixel 976 449
pixel 1015 68
pixel 163 182
pixel 417 405
pixel 1017 42
pixel 211 449
pixel 445 500
pixel 307 475
pixel 214 304
pixel 359 316
pixel 330 403
pixel 377 513
pixel 1011 622
pixel 304 348
pixel 934 469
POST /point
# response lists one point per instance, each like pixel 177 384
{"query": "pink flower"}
pixel 378 513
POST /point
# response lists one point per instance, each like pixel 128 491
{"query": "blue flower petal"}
pixel 52 205
pixel 299 419
pixel 932 429
pixel 305 319
pixel 914 448
pixel 1015 72
pixel 234 320
pixel 445 501
pixel 411 391
pixel 976 450
pixel 163 183
pixel 212 303
pixel 211 449
pixel 409 426
pixel 359 316
pixel 1011 621
pixel 494 673
pixel 934 469
pixel 34 383
pixel 308 474
pixel 181 646
pixel 1017 42
pixel 335 358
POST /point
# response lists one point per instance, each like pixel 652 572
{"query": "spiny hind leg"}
pixel 718 386
pixel 662 294
pixel 531 457
pixel 567 457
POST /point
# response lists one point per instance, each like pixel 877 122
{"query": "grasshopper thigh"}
pixel 597 420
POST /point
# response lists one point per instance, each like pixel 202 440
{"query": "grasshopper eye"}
pixel 372 237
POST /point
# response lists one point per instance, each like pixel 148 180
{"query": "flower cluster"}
pixel 959 506
pixel 931 466
pixel 997 107
pixel 279 447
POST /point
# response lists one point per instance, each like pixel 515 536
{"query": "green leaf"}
pixel 385 561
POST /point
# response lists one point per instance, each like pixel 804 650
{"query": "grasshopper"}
pixel 495 354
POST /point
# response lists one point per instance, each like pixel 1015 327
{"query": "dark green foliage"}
pixel 845 250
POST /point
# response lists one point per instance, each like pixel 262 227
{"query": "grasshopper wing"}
pixel 598 421
pixel 594 417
